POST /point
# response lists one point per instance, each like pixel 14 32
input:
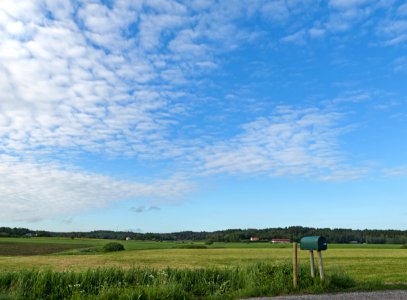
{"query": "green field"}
pixel 387 263
pixel 377 266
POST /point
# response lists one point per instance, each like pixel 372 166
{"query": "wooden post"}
pixel 311 257
pixel 295 264
pixel 321 266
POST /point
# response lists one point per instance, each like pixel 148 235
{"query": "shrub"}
pixel 193 246
pixel 111 247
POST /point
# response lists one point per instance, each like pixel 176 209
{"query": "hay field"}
pixel 385 263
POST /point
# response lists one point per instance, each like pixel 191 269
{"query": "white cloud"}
pixel 279 12
pixel 393 27
pixel 33 191
pixel 276 11
pixel 402 10
pixel 399 171
pixel 316 32
pixel 346 4
pixel 295 38
pixel 348 17
pixel 353 97
pixel 142 208
pixel 400 64
pixel 67 220
pixel 65 87
pixel 394 31
pixel 104 78
pixel 397 40
pixel 199 5
pixel 290 142
pixel 115 80
pixel 138 209
pixel 349 173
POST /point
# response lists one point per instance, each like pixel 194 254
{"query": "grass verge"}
pixel 145 283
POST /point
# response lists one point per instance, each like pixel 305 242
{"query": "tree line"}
pixel 294 233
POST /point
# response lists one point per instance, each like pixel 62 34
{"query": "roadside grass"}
pixel 146 283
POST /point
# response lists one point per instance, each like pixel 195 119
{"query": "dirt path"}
pixel 382 295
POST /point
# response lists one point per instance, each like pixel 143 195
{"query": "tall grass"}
pixel 206 283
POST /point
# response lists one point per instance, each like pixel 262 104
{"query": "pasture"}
pixel 369 266
pixel 387 263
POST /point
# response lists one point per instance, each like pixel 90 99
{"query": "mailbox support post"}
pixel 321 266
pixel 311 257
pixel 315 243
pixel 295 264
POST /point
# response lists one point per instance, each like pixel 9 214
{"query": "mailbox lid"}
pixel 317 243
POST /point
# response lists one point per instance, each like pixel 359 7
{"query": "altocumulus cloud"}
pixel 74 79
pixel 290 142
pixel 114 80
pixel 68 86
pixel 103 79
pixel 84 77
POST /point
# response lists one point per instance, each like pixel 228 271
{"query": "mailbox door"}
pixel 322 244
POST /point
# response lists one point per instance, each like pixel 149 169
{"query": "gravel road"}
pixel 382 295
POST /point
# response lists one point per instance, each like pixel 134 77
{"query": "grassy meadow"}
pixel 67 261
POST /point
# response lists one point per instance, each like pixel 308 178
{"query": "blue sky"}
pixel 160 116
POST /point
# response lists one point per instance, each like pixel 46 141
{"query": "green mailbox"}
pixel 311 243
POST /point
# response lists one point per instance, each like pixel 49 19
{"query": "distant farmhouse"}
pixel 281 241
pixel 254 239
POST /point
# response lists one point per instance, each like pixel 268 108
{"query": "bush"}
pixel 111 247
pixel 192 247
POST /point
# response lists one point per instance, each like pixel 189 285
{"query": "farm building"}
pixel 254 239
pixel 280 241
pixel 128 238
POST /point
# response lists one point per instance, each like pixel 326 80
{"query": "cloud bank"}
pixel 33 191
